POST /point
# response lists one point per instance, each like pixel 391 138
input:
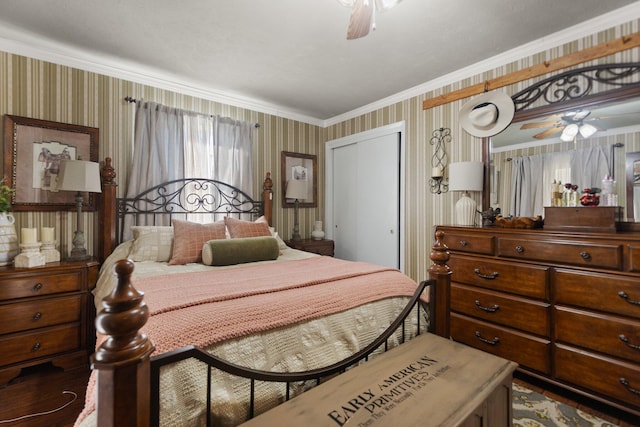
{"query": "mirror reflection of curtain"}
pixel 171 143
pixel 533 177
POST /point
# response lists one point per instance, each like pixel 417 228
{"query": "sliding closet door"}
pixel 364 198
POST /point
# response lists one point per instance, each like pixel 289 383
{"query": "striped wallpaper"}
pixel 38 89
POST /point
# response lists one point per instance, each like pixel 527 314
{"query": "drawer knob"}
pixel 36 347
pixel 37 287
pixel 37 316
pixel 487 309
pixel 463 243
pixel 625 296
pixel 625 340
pixel 585 255
pixel 494 341
pixel 520 249
pixel 490 276
pixel 626 385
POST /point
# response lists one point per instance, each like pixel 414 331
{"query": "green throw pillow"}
pixel 240 250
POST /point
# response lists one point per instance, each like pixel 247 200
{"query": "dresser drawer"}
pixel 45 284
pixel 634 258
pixel 563 252
pixel 39 343
pixel 521 279
pixel 616 336
pixel 469 243
pixel 612 378
pixel 520 313
pixel 597 291
pixel 39 313
pixel 527 350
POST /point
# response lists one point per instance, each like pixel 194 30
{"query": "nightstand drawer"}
pixel 563 252
pixel 520 313
pixel 35 285
pixel 39 343
pixel 521 279
pixel 527 350
pixel 39 314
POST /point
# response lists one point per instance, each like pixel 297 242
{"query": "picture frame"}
pixel 33 150
pixel 300 166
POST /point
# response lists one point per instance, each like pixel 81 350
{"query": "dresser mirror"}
pixel 609 144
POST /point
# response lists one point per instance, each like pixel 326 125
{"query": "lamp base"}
pixel 79 252
pixel 466 210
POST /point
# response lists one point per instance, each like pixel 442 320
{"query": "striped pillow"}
pixel 189 237
pixel 239 229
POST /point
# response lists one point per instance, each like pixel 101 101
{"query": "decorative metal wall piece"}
pixel 438 183
pixel 578 83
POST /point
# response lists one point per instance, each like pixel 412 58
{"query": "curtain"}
pixel 533 176
pixel 170 143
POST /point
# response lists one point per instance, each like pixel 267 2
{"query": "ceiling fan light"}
pixel 586 130
pixel 569 132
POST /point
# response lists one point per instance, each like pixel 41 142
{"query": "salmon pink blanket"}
pixel 204 308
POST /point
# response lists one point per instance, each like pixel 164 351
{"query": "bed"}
pixel 249 331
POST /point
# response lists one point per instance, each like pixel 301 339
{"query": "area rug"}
pixel 531 409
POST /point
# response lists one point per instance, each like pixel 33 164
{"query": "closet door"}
pixel 365 200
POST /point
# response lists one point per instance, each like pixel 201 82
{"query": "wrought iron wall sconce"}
pixel 438 183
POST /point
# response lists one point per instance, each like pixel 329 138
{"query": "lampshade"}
pixel 79 175
pixel 586 130
pixel 466 176
pixel 296 189
pixel 569 132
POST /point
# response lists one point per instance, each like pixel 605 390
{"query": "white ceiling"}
pixel 291 57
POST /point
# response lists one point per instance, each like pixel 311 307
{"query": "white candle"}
pixel 436 172
pixel 29 235
pixel 47 234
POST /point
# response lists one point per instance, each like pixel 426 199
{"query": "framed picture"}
pixel 33 151
pixel 300 167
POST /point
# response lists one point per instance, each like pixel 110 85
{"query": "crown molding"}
pixel 20 43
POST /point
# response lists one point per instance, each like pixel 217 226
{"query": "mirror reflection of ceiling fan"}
pixel 363 15
pixel 570 124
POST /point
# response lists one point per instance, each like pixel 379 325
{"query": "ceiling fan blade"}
pixel 547 133
pixel 360 21
pixel 535 125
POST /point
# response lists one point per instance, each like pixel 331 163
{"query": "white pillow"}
pixel 151 243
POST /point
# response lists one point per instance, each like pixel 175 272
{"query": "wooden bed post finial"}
pixel 122 360
pixel 267 198
pixel 440 272
pixel 107 217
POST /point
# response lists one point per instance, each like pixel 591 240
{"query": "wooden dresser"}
pixel 565 307
pixel 46 316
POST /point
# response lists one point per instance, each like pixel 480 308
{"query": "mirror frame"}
pixel 565 87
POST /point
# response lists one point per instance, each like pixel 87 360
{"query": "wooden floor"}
pixel 42 390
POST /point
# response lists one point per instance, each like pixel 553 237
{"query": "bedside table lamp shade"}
pixel 466 177
pixel 296 189
pixel 79 176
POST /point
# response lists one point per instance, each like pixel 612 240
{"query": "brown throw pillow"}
pixel 188 238
pixel 238 228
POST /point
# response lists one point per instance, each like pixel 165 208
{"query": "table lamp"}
pixel 79 176
pixel 296 189
pixel 466 177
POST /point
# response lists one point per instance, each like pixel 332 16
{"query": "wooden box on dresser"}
pixel 564 306
pixel 46 315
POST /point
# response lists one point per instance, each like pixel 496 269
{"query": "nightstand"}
pixel 320 247
pixel 46 315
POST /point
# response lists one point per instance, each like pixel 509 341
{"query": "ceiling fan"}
pixel 363 15
pixel 569 124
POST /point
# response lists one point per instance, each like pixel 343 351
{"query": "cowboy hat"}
pixel 487 114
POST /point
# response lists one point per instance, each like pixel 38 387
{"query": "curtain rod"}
pixel 133 100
